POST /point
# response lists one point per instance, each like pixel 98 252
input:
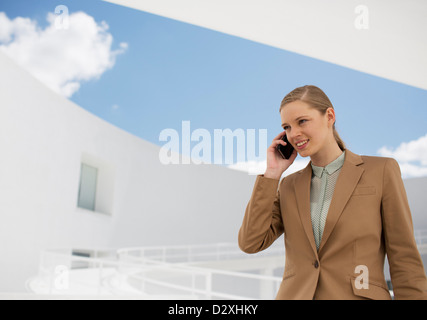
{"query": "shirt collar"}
pixel 330 168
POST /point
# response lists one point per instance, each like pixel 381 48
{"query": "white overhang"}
pixel 394 45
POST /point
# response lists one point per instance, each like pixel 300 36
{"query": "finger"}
pixel 280 135
pixel 277 142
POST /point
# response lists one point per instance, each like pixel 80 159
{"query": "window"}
pixel 87 189
pixel 80 264
pixel 96 186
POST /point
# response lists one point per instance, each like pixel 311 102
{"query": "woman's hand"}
pixel 276 165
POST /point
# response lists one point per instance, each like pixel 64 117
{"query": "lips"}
pixel 302 144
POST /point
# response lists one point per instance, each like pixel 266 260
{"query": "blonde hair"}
pixel 317 99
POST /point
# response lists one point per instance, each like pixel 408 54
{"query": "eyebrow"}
pixel 295 119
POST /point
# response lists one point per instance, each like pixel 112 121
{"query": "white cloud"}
pixel 412 157
pixel 259 167
pixel 251 167
pixel 60 58
pixel 411 170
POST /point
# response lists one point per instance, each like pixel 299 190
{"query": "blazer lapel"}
pixel 302 192
pixel 347 180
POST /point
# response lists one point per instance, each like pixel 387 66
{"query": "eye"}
pixel 302 121
pixel 285 128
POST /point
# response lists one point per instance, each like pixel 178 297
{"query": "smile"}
pixel 302 144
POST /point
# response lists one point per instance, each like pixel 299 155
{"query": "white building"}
pixel 45 139
pixel 47 142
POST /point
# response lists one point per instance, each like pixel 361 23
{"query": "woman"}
pixel 340 215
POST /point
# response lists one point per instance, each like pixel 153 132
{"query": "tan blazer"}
pixel 369 217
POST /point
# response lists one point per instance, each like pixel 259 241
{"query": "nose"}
pixel 293 135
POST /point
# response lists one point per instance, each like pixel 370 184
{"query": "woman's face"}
pixel 306 128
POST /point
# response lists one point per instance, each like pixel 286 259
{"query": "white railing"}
pixel 193 254
pixel 219 271
pixel 207 267
pixel 420 236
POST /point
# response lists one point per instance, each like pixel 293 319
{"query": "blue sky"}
pixel 173 72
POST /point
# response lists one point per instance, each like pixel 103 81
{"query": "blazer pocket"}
pixel 375 291
pixel 364 191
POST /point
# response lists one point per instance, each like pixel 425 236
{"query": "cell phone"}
pixel 285 151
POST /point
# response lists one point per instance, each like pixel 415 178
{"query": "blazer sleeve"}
pixel 262 223
pixel 406 268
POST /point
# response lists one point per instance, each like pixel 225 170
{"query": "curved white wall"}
pixel 44 137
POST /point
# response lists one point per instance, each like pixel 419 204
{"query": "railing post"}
pixel 100 277
pixel 193 281
pixel 143 276
pixel 266 286
pixel 209 286
pixel 51 278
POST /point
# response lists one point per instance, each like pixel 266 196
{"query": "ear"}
pixel 330 114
